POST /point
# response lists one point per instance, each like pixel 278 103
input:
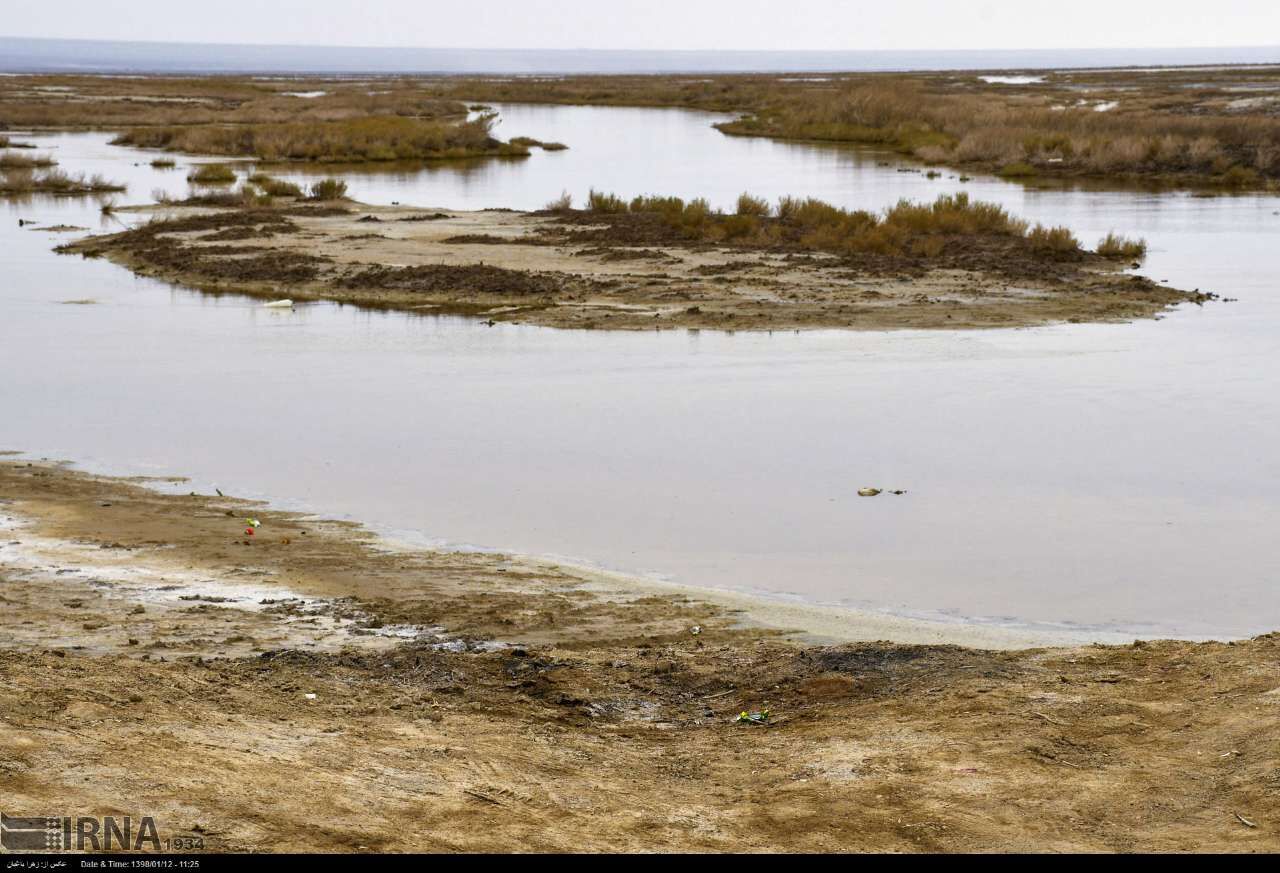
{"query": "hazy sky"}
pixel 647 24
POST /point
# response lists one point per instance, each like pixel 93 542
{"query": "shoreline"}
pixel 805 622
pixel 518 701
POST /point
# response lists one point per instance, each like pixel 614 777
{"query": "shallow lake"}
pixel 1109 477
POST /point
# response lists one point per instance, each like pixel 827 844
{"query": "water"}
pixel 1098 476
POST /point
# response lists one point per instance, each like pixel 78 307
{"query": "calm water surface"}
pixel 1104 476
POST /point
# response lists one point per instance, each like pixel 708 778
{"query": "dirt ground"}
pixel 311 688
pixel 578 272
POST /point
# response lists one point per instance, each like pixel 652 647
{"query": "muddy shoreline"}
pixel 587 272
pixel 257 689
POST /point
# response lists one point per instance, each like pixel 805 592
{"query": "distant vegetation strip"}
pixel 27 181
pixel 386 138
pixel 1183 126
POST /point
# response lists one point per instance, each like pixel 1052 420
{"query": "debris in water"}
pixel 279 304
pixel 868 492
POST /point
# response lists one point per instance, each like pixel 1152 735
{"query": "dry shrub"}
pixel 1113 245
pixel 354 140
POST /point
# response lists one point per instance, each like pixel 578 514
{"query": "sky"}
pixel 662 24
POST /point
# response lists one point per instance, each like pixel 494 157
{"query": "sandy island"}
pixel 309 687
pixel 581 270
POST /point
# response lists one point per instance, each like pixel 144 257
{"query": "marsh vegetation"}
pixel 919 230
pixel 212 174
pixel 15 161
pixel 1186 126
pixel 350 141
pixel 55 181
pixel 243 117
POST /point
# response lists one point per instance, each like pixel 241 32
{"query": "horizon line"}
pixel 582 49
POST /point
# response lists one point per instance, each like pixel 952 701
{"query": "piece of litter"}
pixel 310 695
pixel 868 492
pixel 761 717
pixel 279 304
pixel 1244 821
pixel 696 629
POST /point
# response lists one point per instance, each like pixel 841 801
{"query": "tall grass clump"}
pixel 25 181
pixel 598 201
pixel 212 174
pixel 563 203
pixel 164 163
pixel 327 189
pixel 1053 240
pixel 274 187
pixel 755 206
pixel 1113 245
pixel 11 161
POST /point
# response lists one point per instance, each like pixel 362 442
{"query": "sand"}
pixel 311 687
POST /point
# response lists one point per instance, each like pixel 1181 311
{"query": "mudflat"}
pixel 310 687
pixel 576 269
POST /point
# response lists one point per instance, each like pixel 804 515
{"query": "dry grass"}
pixel 610 204
pixel 1187 126
pixel 327 189
pixel 25 181
pixel 12 161
pixel 1113 245
pixel 106 102
pixel 530 142
pixel 273 187
pixel 563 203
pixel 212 174
pixel 364 139
pixel 910 229
pixel 1029 138
pixel 1191 126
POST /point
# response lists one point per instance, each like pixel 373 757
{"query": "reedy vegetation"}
pixel 388 138
pixel 1186 126
pixel 26 181
pixel 15 161
pixel 212 174
pixel 1115 246
pixel 922 230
